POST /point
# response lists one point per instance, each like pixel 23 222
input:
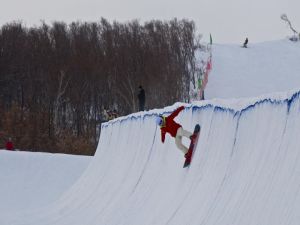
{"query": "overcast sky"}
pixel 229 21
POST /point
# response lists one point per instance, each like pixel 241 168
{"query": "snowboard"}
pixel 193 145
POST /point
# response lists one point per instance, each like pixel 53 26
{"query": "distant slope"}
pixel 262 68
pixel 31 180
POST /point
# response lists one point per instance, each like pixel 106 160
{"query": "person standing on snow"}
pixel 168 125
pixel 245 43
pixel 9 145
pixel 142 98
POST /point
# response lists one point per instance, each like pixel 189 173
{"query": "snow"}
pixel 259 69
pixel 245 171
pixel 31 180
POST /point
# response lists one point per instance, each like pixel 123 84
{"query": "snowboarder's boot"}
pixel 188 155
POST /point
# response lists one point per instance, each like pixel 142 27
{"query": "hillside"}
pixel 262 68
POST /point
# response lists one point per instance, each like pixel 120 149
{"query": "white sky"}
pixel 229 21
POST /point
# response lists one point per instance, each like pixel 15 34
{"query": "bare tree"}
pixel 63 82
pixel 285 18
pixel 56 79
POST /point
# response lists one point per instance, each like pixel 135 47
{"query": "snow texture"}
pixel 32 180
pixel 245 170
pixel 259 69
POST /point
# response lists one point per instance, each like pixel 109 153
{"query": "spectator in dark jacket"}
pixel 142 98
pixel 9 145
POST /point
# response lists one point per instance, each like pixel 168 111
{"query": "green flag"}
pixel 210 39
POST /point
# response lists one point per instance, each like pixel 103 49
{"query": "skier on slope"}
pixel 245 43
pixel 168 125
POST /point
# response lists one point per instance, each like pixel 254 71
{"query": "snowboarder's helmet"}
pixel 159 120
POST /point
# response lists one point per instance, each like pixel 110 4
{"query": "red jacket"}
pixel 170 125
pixel 9 145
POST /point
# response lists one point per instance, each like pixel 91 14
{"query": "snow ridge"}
pixel 245 169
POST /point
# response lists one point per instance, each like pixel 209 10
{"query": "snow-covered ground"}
pixel 245 171
pixel 32 180
pixel 262 68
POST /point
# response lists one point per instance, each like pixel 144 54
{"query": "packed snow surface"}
pixel 31 180
pixel 245 170
pixel 259 69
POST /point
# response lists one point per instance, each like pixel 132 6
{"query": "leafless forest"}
pixel 56 79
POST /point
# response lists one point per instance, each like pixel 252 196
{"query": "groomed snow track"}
pixel 245 171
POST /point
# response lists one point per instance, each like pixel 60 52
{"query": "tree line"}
pixel 56 79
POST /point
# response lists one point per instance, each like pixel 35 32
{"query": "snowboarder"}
pixel 245 43
pixel 168 125
pixel 142 98
pixel 9 145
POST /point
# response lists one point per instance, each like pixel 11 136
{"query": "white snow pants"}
pixel 178 139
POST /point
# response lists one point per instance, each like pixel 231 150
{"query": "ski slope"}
pixel 245 171
pixel 259 69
